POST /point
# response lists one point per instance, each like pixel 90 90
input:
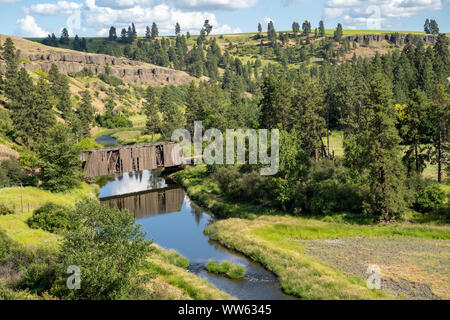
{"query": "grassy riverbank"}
pixel 319 260
pixel 327 257
pixel 169 278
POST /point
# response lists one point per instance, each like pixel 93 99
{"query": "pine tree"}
pixel 10 55
pixel 172 116
pixel 60 89
pixel 155 31
pixel 148 34
pixel 64 40
pixel 338 33
pixel 177 29
pixel 414 131
pixel 440 117
pixel 59 160
pixel 153 123
pixel 295 28
pixel 321 28
pixel 193 106
pixel 112 34
pixel 375 149
pixel 86 112
pixel 275 104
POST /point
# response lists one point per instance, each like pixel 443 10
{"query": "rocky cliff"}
pixel 37 56
pixel 396 38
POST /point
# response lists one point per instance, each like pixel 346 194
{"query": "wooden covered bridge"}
pixel 121 159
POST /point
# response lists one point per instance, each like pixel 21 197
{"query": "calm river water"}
pixel 174 222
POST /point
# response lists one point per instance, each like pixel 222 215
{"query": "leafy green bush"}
pixel 227 268
pixel 111 80
pixel 109 248
pixel 4 210
pixel 11 173
pixel 5 245
pixel 112 121
pixel 429 198
pixel 52 217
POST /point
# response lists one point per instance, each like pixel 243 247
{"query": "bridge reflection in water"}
pixel 148 203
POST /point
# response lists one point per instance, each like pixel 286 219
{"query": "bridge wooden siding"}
pixel 117 160
pixel 148 203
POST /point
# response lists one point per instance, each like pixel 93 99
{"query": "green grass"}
pixel 15 225
pixel 33 197
pixel 299 275
pixel 227 268
pixel 169 267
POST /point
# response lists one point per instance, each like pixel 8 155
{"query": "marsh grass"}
pixel 227 268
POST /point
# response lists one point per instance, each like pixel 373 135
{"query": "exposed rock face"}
pixel 140 73
pixel 397 38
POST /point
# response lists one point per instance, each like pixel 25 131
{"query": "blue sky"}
pixel 94 17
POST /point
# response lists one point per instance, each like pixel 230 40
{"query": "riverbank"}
pixel 168 278
pixel 327 257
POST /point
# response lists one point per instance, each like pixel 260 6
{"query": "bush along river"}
pixel 173 221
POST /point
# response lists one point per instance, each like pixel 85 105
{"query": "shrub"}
pixel 111 80
pixel 229 269
pixel 52 217
pixel 5 245
pixel 109 248
pixel 4 210
pixel 11 173
pixel 429 198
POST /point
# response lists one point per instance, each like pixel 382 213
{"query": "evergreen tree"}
pixel 440 117
pixel 414 131
pixel 148 34
pixel 321 29
pixel 275 103
pixel 112 34
pixel 86 112
pixel 295 28
pixel 64 40
pixel 177 29
pixel 153 123
pixel 338 33
pixel 59 160
pixel 155 31
pixel 207 27
pixel 11 56
pixel 376 149
pixel 76 43
pixel 172 116
pixel 60 89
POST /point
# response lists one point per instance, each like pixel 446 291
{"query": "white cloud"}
pixel 370 13
pixel 61 8
pixel 27 27
pixel 98 15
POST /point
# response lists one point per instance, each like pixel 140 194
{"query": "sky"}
pixel 27 18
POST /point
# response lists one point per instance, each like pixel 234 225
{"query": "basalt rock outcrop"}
pixel 36 56
pixel 395 38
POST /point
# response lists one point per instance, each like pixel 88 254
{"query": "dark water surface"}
pixel 174 222
pixel 106 140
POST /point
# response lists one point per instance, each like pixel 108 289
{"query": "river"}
pixel 173 221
